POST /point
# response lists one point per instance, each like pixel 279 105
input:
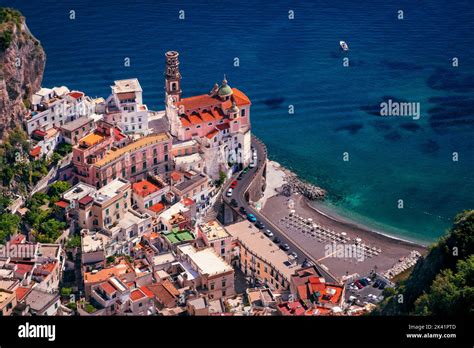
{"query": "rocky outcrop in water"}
pixel 22 61
pixel 294 184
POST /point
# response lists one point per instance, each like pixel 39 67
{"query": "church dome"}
pixel 224 90
pixel 234 108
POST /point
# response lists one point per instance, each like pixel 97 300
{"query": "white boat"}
pixel 344 45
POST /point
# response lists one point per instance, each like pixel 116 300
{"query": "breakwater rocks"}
pixel 293 184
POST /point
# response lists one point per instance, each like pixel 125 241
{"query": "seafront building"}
pixel 219 120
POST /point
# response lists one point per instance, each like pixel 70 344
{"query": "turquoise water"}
pixel 298 62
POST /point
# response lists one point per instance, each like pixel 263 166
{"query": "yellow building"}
pixel 260 258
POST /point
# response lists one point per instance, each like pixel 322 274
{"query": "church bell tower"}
pixel 172 76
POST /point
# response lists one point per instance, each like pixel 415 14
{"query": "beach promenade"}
pixel 318 233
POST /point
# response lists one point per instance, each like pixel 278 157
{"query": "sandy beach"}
pixel 390 251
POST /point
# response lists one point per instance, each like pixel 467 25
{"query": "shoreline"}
pixel 333 214
pixel 392 253
pixel 352 223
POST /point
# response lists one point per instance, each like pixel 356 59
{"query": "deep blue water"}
pixel 299 62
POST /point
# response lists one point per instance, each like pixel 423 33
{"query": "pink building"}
pixel 132 162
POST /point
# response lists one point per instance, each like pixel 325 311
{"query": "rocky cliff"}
pixel 22 62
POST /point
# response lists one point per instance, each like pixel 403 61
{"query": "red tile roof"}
pixel 62 204
pixel 144 188
pixel 108 288
pixel 118 134
pixel 212 133
pixel 156 208
pixel 36 151
pixel 188 201
pixel 136 295
pixel 240 97
pixel 23 268
pixel 176 176
pixel 86 200
pixel 146 291
pixel 21 292
pixel 39 133
pixel 76 95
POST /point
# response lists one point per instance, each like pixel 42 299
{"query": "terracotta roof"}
pixel 137 294
pixel 36 151
pixel 62 204
pixel 156 208
pixel 76 95
pixel 86 200
pixel 176 176
pixel 146 291
pixel 23 268
pixel 21 292
pixel 144 188
pixel 164 291
pixel 223 126
pixel 39 132
pixel 108 288
pixel 212 133
pixel 200 101
pixel 118 135
pixel 240 97
pixel 188 201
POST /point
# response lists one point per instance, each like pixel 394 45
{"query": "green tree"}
pixel 451 293
pixel 57 189
pixel 8 225
pixel 430 286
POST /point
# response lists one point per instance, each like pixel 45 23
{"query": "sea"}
pixel 316 107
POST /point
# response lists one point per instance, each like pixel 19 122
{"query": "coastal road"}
pixel 239 195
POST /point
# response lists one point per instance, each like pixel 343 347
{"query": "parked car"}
pixel 234 203
pixel 268 233
pixel 260 225
pixel 241 175
pixel 363 281
pixel 246 169
pixel 293 254
pixel 284 247
pixel 358 284
pixel 233 184
pixel 306 264
pixel 276 240
pixel 229 193
pixel 243 210
pixel 376 283
pixel 382 285
pixel 251 217
pixel 252 164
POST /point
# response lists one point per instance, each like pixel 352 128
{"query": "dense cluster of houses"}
pixel 141 183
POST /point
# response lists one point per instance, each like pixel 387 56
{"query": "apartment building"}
pixel 259 258
pixel 210 274
pixel 192 185
pixel 132 162
pixel 125 109
pixel 73 131
pixel 215 236
pixel 56 107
